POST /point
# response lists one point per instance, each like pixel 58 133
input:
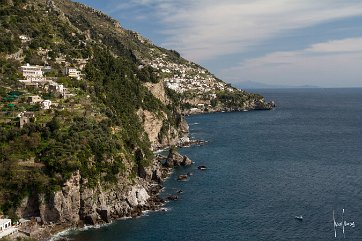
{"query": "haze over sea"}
pixel 264 168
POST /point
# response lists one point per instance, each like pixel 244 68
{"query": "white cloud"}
pixel 206 29
pixel 335 63
pixel 335 46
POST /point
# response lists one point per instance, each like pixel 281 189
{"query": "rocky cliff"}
pixel 77 204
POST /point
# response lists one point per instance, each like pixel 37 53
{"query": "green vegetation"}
pixel 95 129
pixel 235 99
pixel 96 132
pixel 39 158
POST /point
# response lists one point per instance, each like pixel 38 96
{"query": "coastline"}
pixel 53 232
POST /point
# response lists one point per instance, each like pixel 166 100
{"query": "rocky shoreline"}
pixel 152 181
pixel 77 206
pixel 143 196
pixel 262 105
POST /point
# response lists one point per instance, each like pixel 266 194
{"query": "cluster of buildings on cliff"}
pixel 184 77
pixel 34 77
pixel 33 73
pixel 39 86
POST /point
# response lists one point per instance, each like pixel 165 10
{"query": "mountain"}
pixel 84 103
pixel 258 85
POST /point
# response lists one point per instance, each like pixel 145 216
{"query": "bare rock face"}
pixel 157 176
pixel 104 205
pixel 48 212
pixel 137 196
pixel 159 134
pixel 104 213
pixel 184 127
pixel 29 207
pixel 77 202
pixel 64 206
pixel 157 127
pixel 152 125
pixel 158 90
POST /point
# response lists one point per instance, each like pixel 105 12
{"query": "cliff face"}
pixel 65 205
pixel 76 203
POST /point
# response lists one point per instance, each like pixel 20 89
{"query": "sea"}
pixel 264 168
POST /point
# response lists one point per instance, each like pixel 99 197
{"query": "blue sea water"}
pixel 264 168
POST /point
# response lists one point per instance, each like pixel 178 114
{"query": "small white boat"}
pixel 300 218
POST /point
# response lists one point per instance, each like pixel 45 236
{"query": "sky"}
pixel 275 42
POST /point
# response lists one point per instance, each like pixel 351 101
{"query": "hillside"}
pixel 83 104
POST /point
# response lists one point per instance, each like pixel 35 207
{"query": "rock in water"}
pixel 175 159
pixel 172 197
pixel 186 161
pixel 182 178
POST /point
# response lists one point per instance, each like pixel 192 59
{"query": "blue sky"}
pixel 282 42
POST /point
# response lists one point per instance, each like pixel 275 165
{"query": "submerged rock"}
pixel 172 197
pixel 182 178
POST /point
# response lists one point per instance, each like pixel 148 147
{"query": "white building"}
pixel 32 71
pixel 46 104
pixel 73 72
pixel 24 38
pixel 31 79
pixel 6 228
pixel 5 224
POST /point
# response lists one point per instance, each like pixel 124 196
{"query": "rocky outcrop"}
pixel 29 207
pixel 102 205
pixel 160 133
pixel 77 203
pixel 175 159
pixel 152 124
pixel 158 91
pixel 64 205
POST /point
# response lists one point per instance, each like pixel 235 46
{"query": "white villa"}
pixel 6 228
pixel 31 71
pixel 73 72
pixel 46 104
